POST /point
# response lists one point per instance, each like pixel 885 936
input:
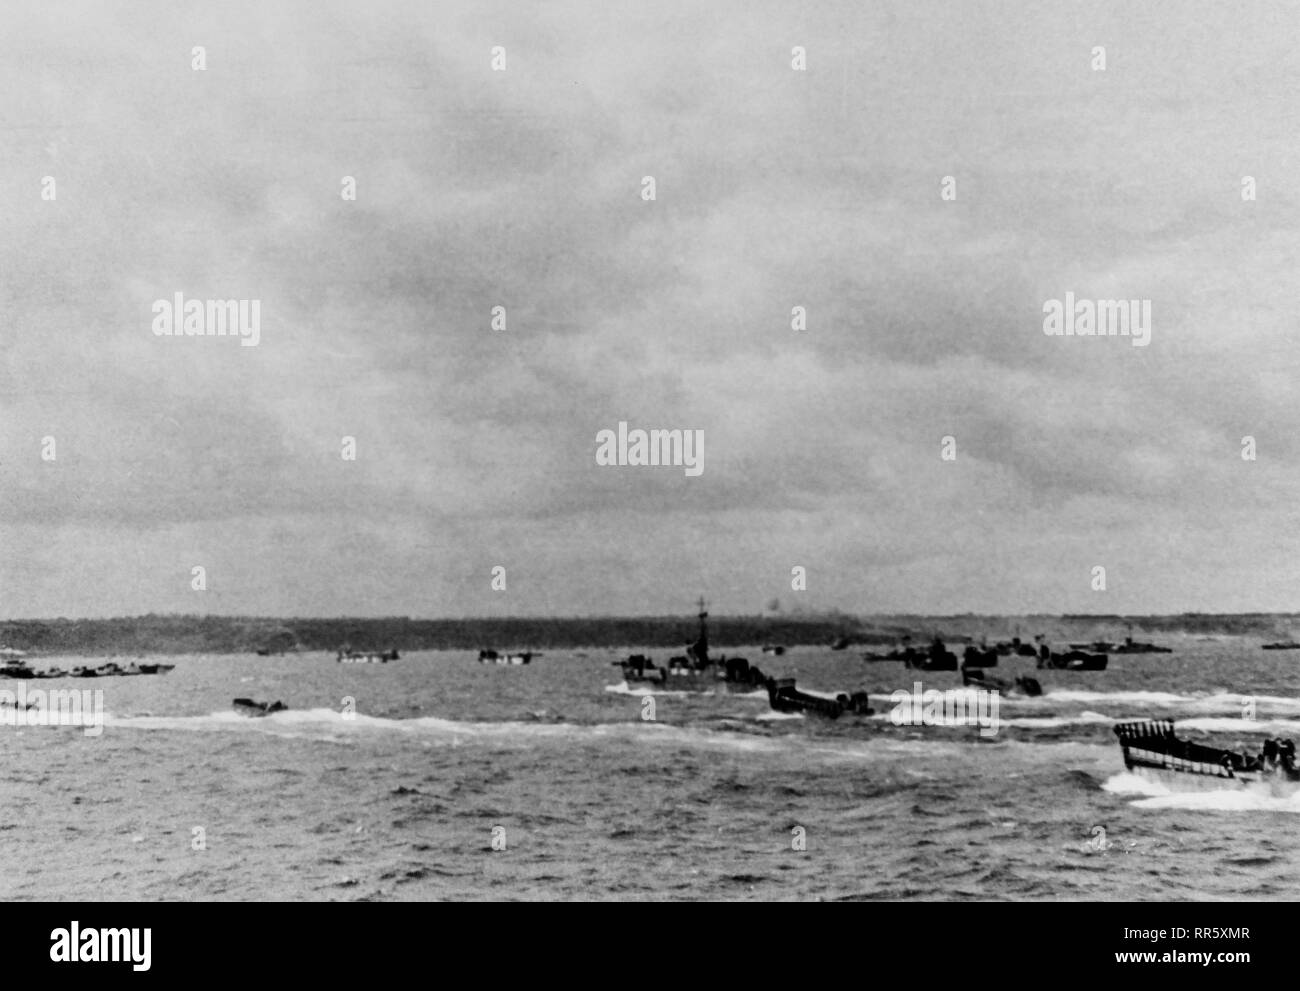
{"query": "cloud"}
pixel 522 189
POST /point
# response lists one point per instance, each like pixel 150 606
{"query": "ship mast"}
pixel 701 646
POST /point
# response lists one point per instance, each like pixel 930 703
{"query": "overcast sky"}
pixel 522 188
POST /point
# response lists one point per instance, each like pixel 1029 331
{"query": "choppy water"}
pixel 596 803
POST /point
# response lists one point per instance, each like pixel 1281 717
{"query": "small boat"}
pixel 112 669
pixel 938 658
pixel 349 656
pixel 1095 646
pixel 696 671
pixel 776 649
pixel 16 669
pixel 81 671
pixel 1015 647
pixel 513 660
pixel 859 703
pixel 979 678
pixel 840 643
pixel 1281 645
pixel 1151 750
pixel 156 668
pixel 247 707
pixel 1072 660
pixel 1131 646
pixel 639 669
pixel 784 697
pixel 980 657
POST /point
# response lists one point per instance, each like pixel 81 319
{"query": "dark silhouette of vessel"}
pixel 695 671
pixel 980 678
pixel 1152 750
pixel 247 707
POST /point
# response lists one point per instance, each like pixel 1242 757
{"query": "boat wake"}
pixel 1218 702
pixel 638 691
pixel 327 725
pixel 1156 795
pixel 1229 724
pixel 1133 698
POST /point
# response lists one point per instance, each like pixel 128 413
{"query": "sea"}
pixel 435 777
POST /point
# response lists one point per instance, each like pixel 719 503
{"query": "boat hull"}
pixel 1153 752
pixel 973 657
pixel 1182 781
pixel 947 661
pixel 373 657
pixel 248 707
pixel 729 674
pixel 706 683
pixel 1023 685
pixel 1075 660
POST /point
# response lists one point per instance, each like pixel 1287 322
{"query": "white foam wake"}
pixel 1133 697
pixel 640 690
pixel 1158 795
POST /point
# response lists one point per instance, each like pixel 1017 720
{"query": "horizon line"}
pixel 834 614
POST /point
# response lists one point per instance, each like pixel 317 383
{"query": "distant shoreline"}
pixel 176 634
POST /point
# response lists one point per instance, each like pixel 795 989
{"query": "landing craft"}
pixel 1072 660
pixel 1131 646
pixel 939 658
pixel 1152 751
pixel 783 696
pixel 247 707
pixel 511 660
pixel 979 678
pixel 348 656
pixel 696 671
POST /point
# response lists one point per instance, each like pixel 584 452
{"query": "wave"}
pixel 623 688
pixel 1235 724
pixel 1157 795
pixel 817 693
pixel 1135 697
pixel 328 725
pixel 293 721
pixel 1057 722
pixel 1219 700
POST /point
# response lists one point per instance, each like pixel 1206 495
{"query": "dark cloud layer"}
pixel 521 189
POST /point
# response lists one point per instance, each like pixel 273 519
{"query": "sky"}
pixel 523 188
